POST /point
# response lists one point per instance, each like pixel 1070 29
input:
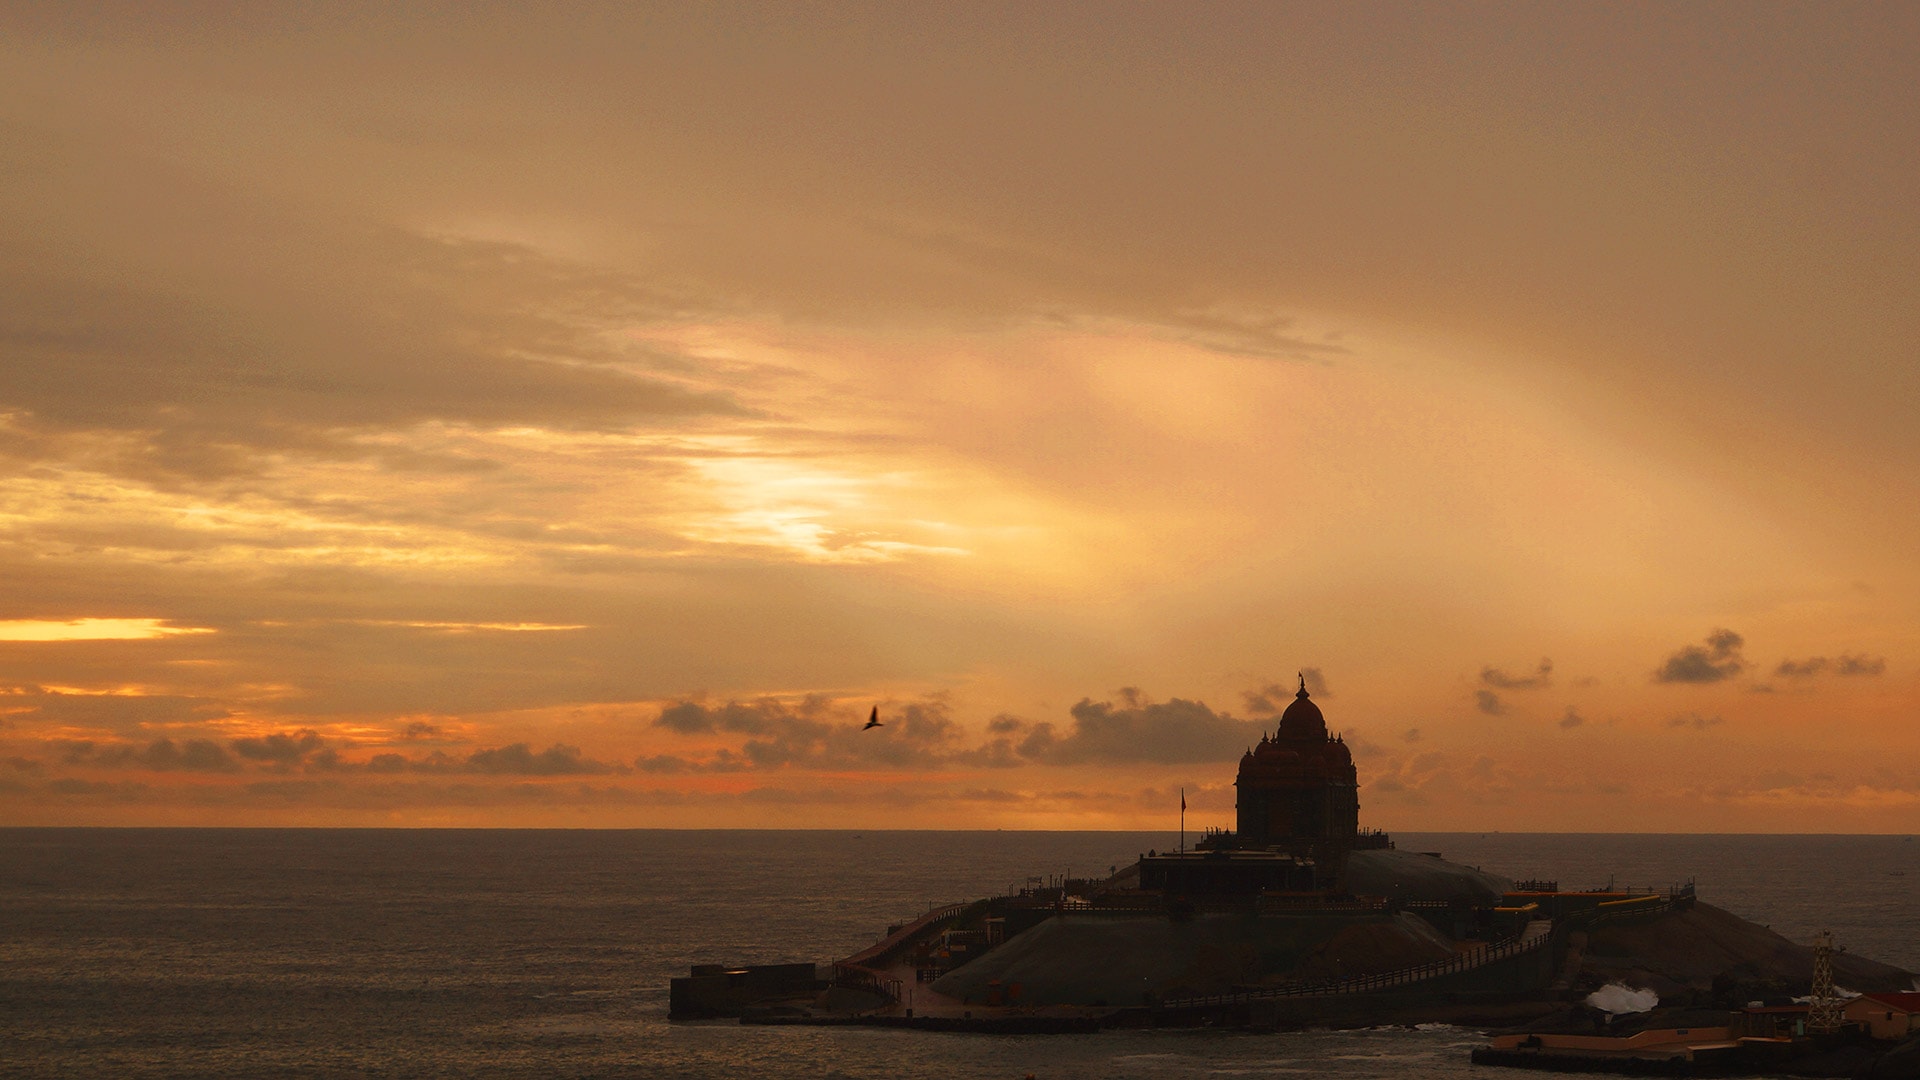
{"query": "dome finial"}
pixel 1302 719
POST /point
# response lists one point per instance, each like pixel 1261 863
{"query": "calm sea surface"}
pixel 244 953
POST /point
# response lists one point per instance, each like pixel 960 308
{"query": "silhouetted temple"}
pixel 1297 789
pixel 1297 816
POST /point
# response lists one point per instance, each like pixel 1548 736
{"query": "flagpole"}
pixel 1183 821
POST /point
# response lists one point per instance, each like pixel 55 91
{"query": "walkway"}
pixel 1536 935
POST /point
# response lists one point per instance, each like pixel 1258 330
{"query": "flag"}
pixel 1183 800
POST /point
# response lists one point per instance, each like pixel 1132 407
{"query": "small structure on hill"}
pixel 1297 817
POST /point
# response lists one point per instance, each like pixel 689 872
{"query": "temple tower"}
pixel 1297 790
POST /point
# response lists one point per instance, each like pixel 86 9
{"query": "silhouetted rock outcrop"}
pixel 1706 949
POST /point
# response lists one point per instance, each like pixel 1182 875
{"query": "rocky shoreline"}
pixel 1437 943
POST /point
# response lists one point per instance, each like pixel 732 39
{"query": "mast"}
pixel 1824 1014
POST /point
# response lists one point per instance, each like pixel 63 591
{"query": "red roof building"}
pixel 1886 1016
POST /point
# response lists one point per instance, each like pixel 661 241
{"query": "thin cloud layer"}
pixel 519 759
pixel 1846 664
pixel 331 331
pixel 307 751
pixel 161 755
pixel 817 733
pixel 90 629
pixel 1540 677
pixel 814 733
pixel 112 712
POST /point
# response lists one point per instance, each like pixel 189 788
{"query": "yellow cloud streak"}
pixel 464 627
pixel 92 630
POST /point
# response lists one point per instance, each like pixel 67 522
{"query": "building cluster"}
pixel 1757 1036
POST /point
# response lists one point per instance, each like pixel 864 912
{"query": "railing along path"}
pixel 1536 935
pixel 865 969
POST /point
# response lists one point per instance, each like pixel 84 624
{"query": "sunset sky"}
pixel 567 415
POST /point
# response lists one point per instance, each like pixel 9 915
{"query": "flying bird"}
pixel 873 720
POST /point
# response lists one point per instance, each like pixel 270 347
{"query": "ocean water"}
pixel 495 953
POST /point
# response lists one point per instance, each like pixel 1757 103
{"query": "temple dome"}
pixel 1302 720
pixel 1297 792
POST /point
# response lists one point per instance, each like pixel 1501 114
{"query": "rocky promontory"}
pixel 1691 953
pixel 1413 938
pixel 1706 953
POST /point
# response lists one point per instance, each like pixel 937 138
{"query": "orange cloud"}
pixel 92 629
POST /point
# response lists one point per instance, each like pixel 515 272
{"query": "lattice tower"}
pixel 1823 1005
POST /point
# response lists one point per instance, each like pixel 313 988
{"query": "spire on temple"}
pixel 1297 791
